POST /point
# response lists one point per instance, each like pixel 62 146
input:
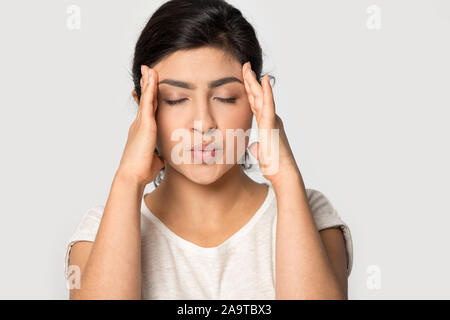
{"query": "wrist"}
pixel 286 179
pixel 122 176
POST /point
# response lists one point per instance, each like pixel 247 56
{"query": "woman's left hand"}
pixel 275 157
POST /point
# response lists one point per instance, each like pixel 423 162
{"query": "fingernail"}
pixel 250 64
pixel 142 70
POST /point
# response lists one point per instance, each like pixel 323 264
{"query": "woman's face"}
pixel 194 107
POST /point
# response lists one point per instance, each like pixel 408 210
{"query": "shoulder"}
pixel 326 216
pixel 318 200
pixel 322 209
pixel 90 219
pixel 87 226
pixel 81 239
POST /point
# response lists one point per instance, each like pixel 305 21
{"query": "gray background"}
pixel 366 113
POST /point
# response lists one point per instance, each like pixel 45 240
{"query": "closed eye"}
pixel 172 102
pixel 225 100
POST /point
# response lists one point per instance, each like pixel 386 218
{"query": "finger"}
pixel 147 96
pixel 269 102
pixel 252 104
pixel 255 88
pixel 155 91
pixel 251 99
pixel 144 76
pixel 244 71
pixel 142 83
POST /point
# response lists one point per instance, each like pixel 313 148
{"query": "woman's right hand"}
pixel 139 160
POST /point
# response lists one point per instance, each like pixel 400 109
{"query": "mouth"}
pixel 204 147
pixel 204 155
pixel 204 152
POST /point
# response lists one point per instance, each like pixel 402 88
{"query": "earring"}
pixel 247 165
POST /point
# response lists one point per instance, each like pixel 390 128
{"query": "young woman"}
pixel 207 231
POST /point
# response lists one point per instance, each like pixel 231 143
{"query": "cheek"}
pixel 166 125
pixel 233 117
pixel 238 118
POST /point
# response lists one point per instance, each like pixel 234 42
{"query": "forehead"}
pixel 199 65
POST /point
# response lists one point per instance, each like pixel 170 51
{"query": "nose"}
pixel 202 120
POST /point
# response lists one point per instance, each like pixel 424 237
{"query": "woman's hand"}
pixel 273 152
pixel 139 160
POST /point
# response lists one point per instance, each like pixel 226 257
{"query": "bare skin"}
pixel 218 199
pixel 186 217
pixel 310 264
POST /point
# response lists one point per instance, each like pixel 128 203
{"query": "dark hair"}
pixel 190 24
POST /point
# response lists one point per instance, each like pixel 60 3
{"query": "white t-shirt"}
pixel 243 267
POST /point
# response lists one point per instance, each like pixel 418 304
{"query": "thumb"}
pixel 254 149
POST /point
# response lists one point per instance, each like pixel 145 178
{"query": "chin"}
pixel 205 174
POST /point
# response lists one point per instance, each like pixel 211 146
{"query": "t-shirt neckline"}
pixel 228 243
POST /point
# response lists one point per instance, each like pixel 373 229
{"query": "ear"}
pixel 134 94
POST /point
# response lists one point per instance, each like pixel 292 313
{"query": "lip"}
pixel 205 146
pixel 204 156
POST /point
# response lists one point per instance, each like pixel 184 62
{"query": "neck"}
pixel 200 203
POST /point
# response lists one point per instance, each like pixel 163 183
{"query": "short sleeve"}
pixel 326 216
pixel 86 230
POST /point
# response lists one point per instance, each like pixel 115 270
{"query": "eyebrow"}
pixel 211 85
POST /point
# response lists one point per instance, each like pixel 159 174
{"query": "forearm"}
pixel 303 270
pixel 113 270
